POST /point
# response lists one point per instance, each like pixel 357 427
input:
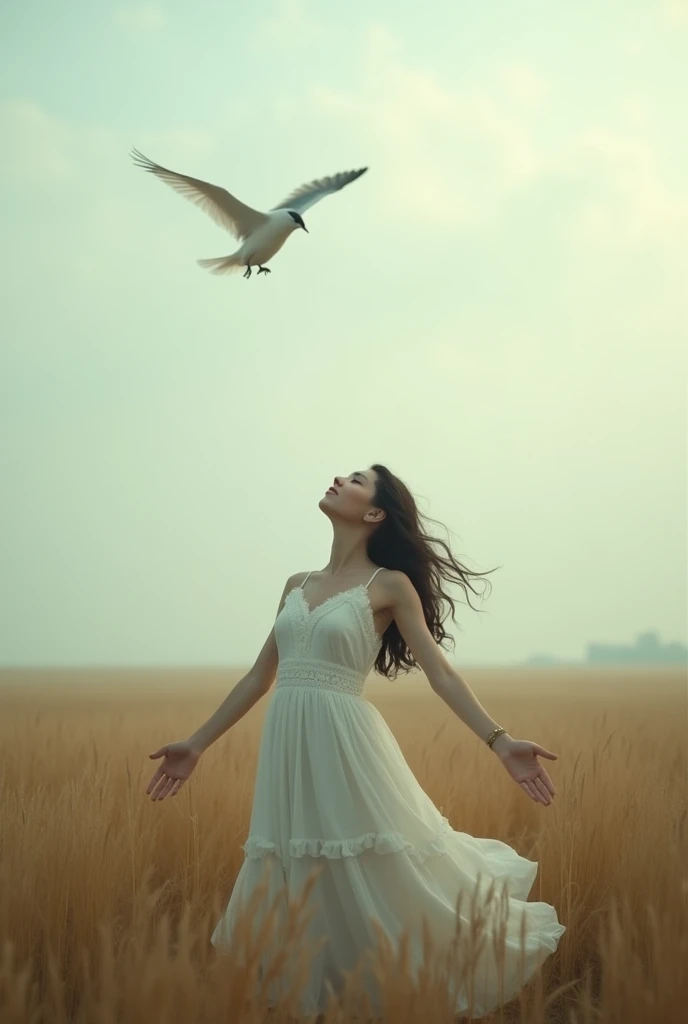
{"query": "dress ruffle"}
pixel 380 842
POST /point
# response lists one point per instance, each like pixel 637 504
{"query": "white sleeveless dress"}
pixel 333 790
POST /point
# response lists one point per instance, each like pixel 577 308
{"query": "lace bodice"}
pixel 332 646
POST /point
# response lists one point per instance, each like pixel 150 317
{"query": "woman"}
pixel 333 790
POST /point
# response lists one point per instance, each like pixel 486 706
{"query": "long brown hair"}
pixel 401 542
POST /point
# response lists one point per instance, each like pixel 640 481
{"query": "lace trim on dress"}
pixel 305 621
pixel 323 675
pixel 364 614
pixel 379 842
pixel 300 624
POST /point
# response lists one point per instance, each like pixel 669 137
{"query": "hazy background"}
pixel 496 311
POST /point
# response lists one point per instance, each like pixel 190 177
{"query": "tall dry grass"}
pixel 107 899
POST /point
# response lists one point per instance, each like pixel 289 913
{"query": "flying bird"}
pixel 262 234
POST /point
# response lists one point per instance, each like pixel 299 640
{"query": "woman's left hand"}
pixel 519 758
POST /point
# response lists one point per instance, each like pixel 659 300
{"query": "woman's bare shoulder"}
pixel 295 580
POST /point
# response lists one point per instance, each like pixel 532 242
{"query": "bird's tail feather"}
pixel 222 264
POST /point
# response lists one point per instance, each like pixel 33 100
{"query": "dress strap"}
pixel 367 584
pixel 374 575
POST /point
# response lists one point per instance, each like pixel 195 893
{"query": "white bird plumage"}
pixel 262 234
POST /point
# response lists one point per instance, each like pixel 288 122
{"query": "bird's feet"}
pixel 248 271
pixel 264 270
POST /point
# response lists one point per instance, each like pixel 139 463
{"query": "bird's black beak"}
pixel 305 229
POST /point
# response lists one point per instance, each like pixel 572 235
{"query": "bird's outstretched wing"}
pixel 307 195
pixel 223 207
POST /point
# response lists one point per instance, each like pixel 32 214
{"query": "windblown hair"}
pixel 401 542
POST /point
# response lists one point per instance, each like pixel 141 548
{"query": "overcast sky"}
pixel 496 311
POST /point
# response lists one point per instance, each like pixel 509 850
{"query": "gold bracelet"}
pixel 493 736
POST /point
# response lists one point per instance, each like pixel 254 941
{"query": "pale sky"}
pixel 496 311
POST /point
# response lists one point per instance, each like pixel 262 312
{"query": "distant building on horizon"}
pixel 647 650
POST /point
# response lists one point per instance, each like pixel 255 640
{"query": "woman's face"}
pixel 351 496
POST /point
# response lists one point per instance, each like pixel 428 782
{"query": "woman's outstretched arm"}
pixel 181 757
pixel 247 692
pixel 518 757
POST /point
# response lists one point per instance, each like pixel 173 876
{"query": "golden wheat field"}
pixel 108 898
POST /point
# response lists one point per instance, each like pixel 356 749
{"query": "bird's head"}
pixel 298 220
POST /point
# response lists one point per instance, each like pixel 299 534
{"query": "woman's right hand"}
pixel 180 760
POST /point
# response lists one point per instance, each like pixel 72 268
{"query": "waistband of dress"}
pixel 325 674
